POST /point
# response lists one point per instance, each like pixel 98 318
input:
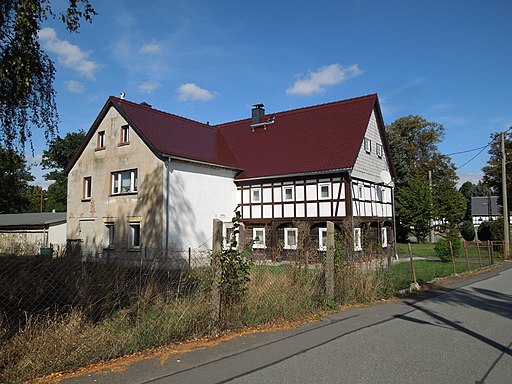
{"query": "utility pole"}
pixel 505 198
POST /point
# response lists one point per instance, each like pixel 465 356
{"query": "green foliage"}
pixel 442 248
pixel 469 190
pixel 492 171
pixel 56 158
pixel 419 200
pixel 14 179
pixel 497 229
pixel 414 206
pixel 235 266
pixel 27 97
pixel 468 231
pixel 484 231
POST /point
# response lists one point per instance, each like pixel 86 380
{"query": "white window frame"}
pixel 384 237
pixel 380 150
pixel 287 244
pixel 320 186
pixel 321 245
pixel 134 236
pixel 117 178
pixel 291 188
pixel 87 188
pixel 357 240
pixel 109 238
pixel 255 192
pixel 125 134
pixel 101 140
pixel 367 145
pixel 261 244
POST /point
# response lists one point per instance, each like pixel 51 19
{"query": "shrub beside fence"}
pixel 62 313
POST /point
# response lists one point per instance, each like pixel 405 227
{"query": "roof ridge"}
pixel 148 107
pixel 308 108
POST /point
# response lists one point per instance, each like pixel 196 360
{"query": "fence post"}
pixel 479 255
pixel 453 258
pixel 216 277
pixel 467 256
pixel 329 261
pixel 414 284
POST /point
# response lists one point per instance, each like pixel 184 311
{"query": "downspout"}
pixel 167 161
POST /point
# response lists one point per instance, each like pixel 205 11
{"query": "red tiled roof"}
pixel 318 138
pixel 176 136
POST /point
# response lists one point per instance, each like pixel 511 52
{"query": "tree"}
pixel 468 231
pixel 27 97
pixel 14 179
pixel 36 196
pixel 492 171
pixel 413 141
pixel 56 158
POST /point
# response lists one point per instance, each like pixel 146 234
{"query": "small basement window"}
pixel 258 237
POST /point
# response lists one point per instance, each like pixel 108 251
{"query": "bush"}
pixel 497 229
pixel 484 231
pixel 468 231
pixel 442 248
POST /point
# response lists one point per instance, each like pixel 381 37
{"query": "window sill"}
pixel 100 149
pixel 86 200
pixel 259 246
pixel 124 194
pixel 292 247
pixel 123 144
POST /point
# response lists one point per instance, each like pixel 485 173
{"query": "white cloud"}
pixel 148 86
pixel 150 49
pixel 191 91
pixel 74 86
pixel 473 177
pixel 68 54
pixel 316 82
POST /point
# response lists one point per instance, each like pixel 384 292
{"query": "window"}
pixel 367 145
pixel 134 236
pixel 125 134
pixel 322 239
pixel 109 235
pixel 87 189
pixel 258 237
pixel 228 230
pixel 256 195
pixel 357 240
pixel 124 182
pixel 290 238
pixel 324 191
pixel 288 194
pixel 384 237
pixel 379 150
pixel 101 140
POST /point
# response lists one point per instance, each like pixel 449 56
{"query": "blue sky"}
pixel 448 61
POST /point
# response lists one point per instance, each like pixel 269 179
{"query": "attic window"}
pixel 367 145
pixel 125 134
pixel 101 140
pixel 379 150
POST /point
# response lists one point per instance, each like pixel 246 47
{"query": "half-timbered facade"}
pixel 287 173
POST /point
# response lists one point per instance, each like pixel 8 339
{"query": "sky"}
pixel 449 61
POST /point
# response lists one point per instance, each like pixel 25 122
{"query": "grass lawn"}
pixel 427 270
pixel 418 249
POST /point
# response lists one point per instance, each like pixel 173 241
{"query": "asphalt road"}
pixel 461 333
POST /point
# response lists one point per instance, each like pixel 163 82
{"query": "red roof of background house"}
pixel 177 136
pixel 318 138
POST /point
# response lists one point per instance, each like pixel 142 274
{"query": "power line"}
pixel 474 157
pixel 469 150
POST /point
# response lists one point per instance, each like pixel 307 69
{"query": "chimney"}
pixel 258 111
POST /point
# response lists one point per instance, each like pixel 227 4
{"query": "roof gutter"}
pixel 185 159
pixel 299 174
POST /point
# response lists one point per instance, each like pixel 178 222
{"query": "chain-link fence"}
pixel 65 312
